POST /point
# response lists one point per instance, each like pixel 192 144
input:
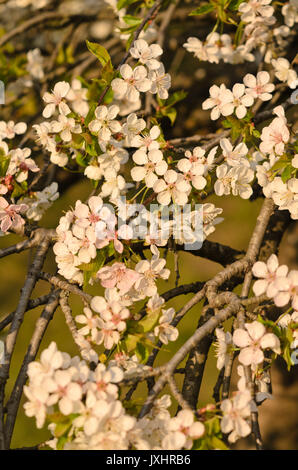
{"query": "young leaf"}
pixel 100 52
pixel 203 10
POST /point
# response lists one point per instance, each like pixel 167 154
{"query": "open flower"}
pixel 146 54
pixel 164 330
pixel 66 126
pixel 253 341
pixel 10 129
pixel 105 123
pixel 259 86
pixel 236 412
pixel 221 100
pixel 268 273
pixel 223 343
pixel 174 187
pixel 118 275
pixel 152 163
pixel 132 82
pixel 10 215
pixel 56 99
pixel 183 429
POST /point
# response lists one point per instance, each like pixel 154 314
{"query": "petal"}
pixel 241 338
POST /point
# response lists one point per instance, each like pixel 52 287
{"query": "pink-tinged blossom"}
pixel 268 273
pixel 183 429
pixel 236 412
pixel 9 129
pixel 252 341
pixel 133 82
pixel 276 135
pixel 221 100
pixel 10 216
pixel 288 290
pixel 118 275
pixel 259 86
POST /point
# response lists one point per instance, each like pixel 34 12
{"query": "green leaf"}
pixel 142 352
pixel 100 52
pixel 132 20
pixel 90 114
pixel 4 164
pixel 234 5
pixel 125 3
pixel 61 442
pixel 171 113
pixel 17 190
pixel 286 174
pixel 81 160
pixel 149 321
pixel 203 10
pixel 218 443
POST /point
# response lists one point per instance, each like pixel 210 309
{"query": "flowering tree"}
pixel 147 196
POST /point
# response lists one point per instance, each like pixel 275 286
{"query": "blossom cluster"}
pixel 261 33
pixel 59 384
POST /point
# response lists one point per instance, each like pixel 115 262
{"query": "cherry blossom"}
pixel 133 82
pixel 259 86
pixel 268 272
pixel 242 100
pixel 146 54
pixel 172 187
pixel 221 100
pixel 253 341
pixel 9 129
pixel 10 216
pixel 118 275
pixel 284 72
pixel 236 412
pixel 152 163
pixel 160 82
pixel 164 330
pixel 56 99
pixel 234 156
pixel 105 123
pixel 66 126
pixel 183 429
pixel 223 349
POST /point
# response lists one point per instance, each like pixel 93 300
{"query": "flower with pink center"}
pixel 275 136
pixel 221 100
pixel 20 164
pixel 108 335
pixel 268 273
pixel 88 214
pixel 104 381
pixel 85 243
pixel 259 86
pixel 133 82
pixel 63 390
pixel 148 141
pixel 90 321
pixel 10 216
pixel 118 275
